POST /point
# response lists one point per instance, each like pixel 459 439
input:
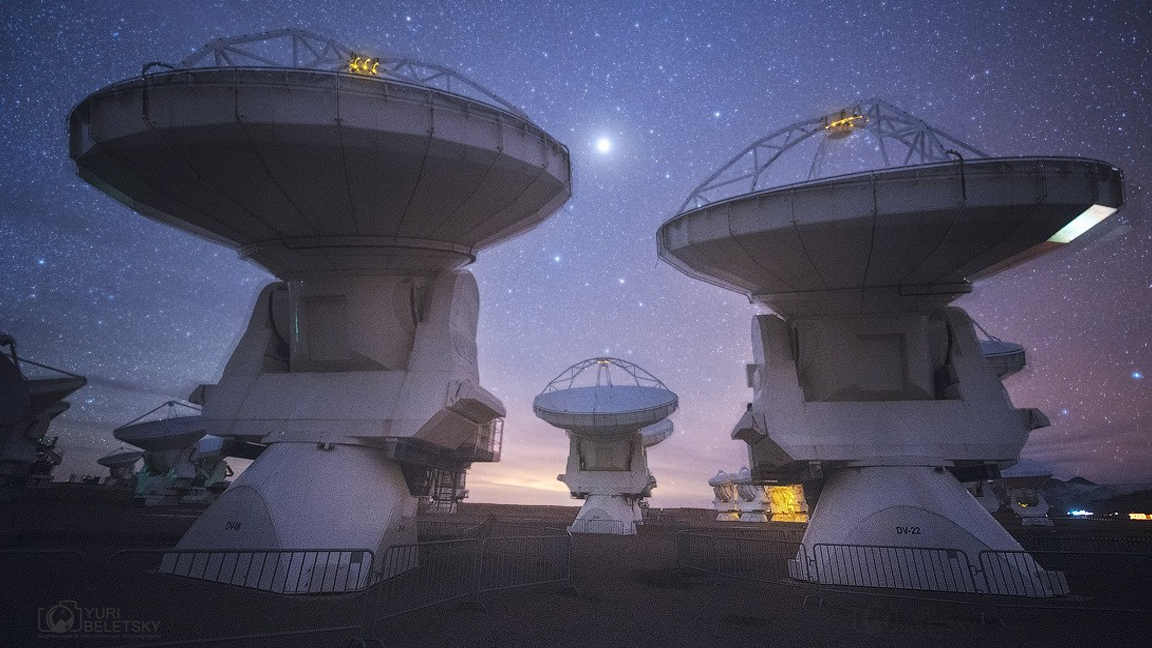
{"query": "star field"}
pixel 650 98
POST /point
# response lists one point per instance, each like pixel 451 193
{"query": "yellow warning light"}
pixel 843 127
pixel 364 65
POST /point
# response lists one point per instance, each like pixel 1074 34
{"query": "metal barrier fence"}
pixel 506 529
pixel 736 555
pixel 755 558
pixel 429 530
pixel 697 551
pixel 1108 544
pixel 447 570
pixel 1114 579
pixel 432 530
pixel 127 599
pixel 910 568
pixel 436 572
pixel 516 561
pixel 610 527
pixel 274 570
pixel 163 597
pixel 779 531
pixel 1094 573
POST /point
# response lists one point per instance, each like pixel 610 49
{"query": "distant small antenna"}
pixel 613 422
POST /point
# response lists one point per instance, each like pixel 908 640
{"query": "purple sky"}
pixel 147 312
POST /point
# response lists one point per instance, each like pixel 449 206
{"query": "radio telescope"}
pixel 726 499
pixel 121 464
pixel 752 499
pixel 604 404
pixel 181 460
pixel 657 433
pixel 864 377
pixel 31 396
pixel 364 183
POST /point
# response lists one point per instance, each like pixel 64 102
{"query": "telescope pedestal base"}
pixel 754 511
pixel 726 511
pixel 914 527
pixel 607 514
pixel 303 497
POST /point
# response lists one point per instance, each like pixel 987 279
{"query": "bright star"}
pixel 1137 375
pixel 603 145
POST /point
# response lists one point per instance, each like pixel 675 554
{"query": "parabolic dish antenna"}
pixel 170 432
pixel 1006 358
pixel 622 399
pixel 721 478
pixel 120 458
pixel 893 236
pixel 865 378
pixel 304 160
pixel 612 410
pixel 656 433
pixel 365 182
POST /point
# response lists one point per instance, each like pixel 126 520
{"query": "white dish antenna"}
pixel 721 479
pixel 169 432
pixel 612 411
pixel 865 378
pixel 120 458
pixel 656 433
pixel 621 399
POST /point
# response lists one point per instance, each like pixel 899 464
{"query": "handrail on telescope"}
pixel 312 51
pixel 603 372
pixel 971 166
pixel 923 144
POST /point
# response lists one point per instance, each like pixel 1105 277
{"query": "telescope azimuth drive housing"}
pixel 612 411
pixel 864 378
pixel 364 184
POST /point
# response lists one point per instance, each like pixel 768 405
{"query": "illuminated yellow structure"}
pixel 841 125
pixel 788 504
pixel 364 65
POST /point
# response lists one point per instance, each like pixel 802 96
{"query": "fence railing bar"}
pixel 235 566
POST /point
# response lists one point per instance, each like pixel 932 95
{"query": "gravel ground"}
pixel 629 593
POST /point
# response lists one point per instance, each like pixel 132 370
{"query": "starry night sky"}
pixel 676 89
